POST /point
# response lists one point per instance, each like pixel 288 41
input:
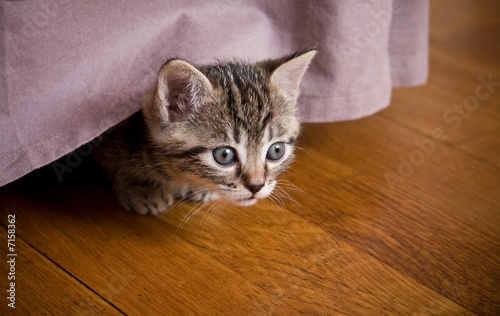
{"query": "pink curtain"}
pixel 72 69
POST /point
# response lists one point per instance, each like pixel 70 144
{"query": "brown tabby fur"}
pixel 164 152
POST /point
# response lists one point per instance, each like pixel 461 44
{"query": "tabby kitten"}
pixel 204 133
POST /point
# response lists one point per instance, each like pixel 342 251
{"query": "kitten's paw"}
pixel 197 195
pixel 146 199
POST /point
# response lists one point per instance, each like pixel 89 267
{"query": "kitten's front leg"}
pixel 144 197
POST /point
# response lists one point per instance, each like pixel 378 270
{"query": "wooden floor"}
pixel 389 219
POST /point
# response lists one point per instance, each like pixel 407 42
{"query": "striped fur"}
pixel 166 151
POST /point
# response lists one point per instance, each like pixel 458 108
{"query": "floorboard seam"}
pixel 452 146
pixel 70 274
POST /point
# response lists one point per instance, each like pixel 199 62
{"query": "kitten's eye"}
pixel 276 151
pixel 224 156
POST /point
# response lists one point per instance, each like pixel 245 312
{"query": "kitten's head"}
pixel 229 127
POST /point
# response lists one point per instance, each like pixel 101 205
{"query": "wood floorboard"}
pixel 47 288
pixel 484 148
pixel 427 108
pixel 380 157
pixel 381 217
pixel 288 269
pixel 284 260
pixel 401 232
pixel 126 258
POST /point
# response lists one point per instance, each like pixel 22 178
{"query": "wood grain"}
pixel 42 287
pixel 381 217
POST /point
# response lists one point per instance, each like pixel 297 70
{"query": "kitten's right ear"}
pixel 181 90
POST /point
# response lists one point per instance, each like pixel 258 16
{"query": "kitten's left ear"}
pixel 288 72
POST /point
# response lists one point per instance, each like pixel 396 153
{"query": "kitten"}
pixel 204 133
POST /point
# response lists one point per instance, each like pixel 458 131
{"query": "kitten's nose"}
pixel 254 188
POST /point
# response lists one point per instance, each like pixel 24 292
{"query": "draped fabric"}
pixel 72 69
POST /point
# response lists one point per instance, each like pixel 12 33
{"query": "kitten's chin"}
pixel 245 202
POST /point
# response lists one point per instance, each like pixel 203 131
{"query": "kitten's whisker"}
pixel 277 200
pixel 283 190
pixel 286 195
pixel 307 151
pixel 170 208
pixel 200 208
pixel 194 210
pixel 198 236
pixel 186 197
pixel 284 187
pixel 151 165
pixel 289 174
pixel 182 200
pixel 283 208
pixel 272 197
pixel 223 204
pixel 290 185
pixel 207 212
